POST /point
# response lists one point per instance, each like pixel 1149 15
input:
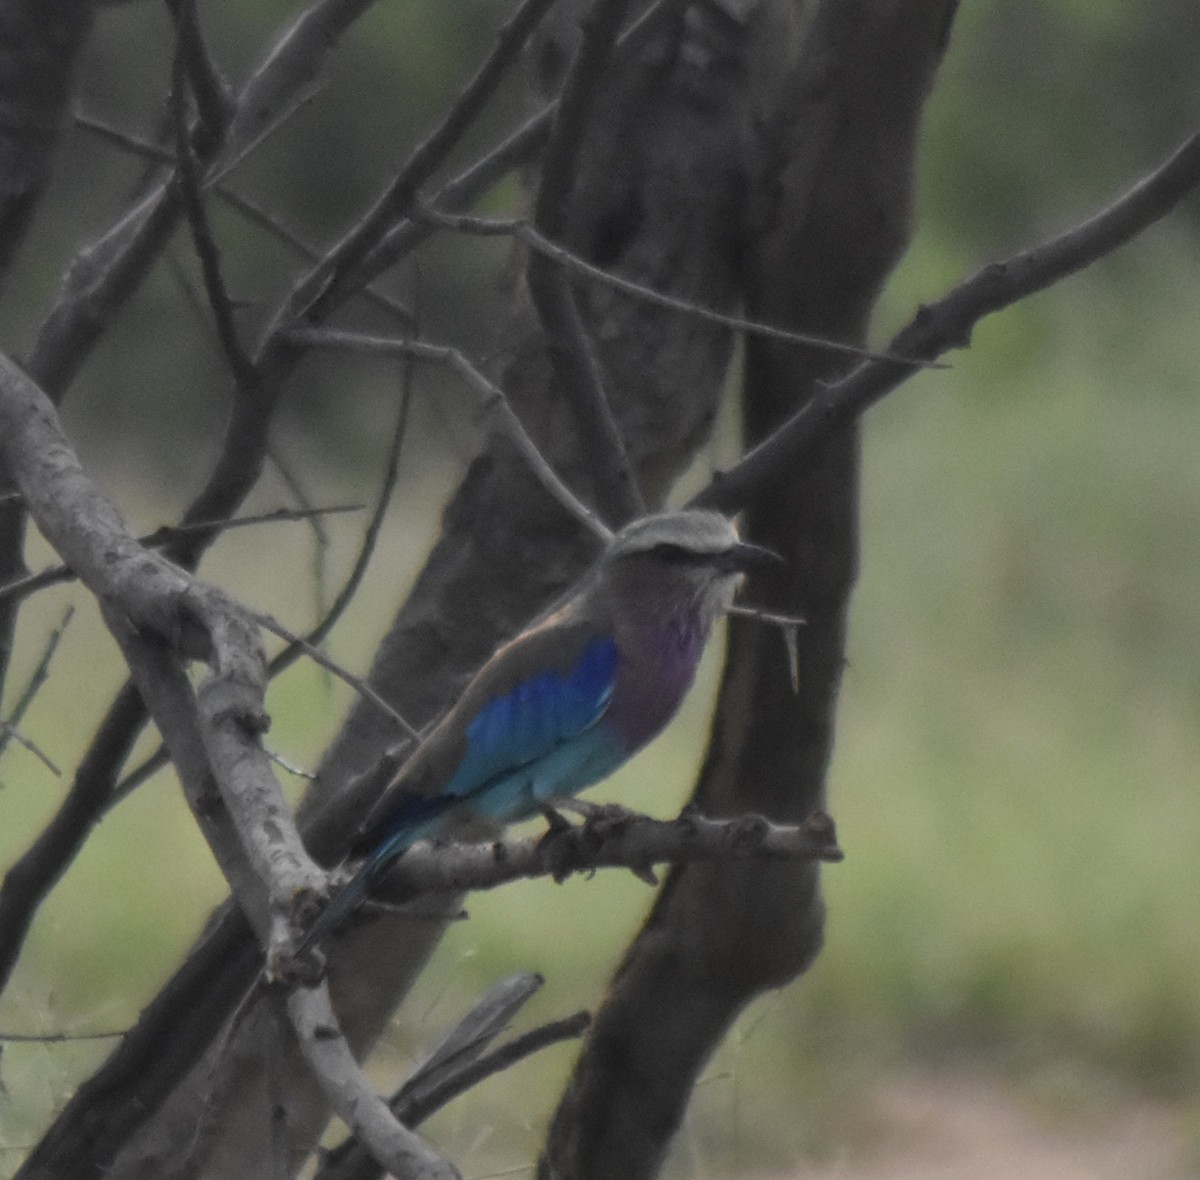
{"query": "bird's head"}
pixel 694 554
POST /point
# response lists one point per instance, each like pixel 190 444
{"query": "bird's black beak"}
pixel 747 558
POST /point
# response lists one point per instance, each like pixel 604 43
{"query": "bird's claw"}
pixel 556 822
pixel 593 813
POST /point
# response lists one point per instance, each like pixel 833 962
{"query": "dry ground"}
pixel 939 1128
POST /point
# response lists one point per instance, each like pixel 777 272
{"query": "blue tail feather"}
pixel 339 907
pixel 413 820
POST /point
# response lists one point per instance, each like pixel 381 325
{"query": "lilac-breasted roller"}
pixel 566 702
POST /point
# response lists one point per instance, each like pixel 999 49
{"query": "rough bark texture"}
pixel 834 220
pixel 661 196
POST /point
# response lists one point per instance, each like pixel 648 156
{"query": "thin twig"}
pixel 8 730
pixel 136 145
pixel 423 1095
pixel 490 394
pixel 188 171
pixel 145 769
pixel 366 549
pixel 171 532
pixel 947 323
pixel 58 1038
pixel 36 680
pixel 521 229
pixel 766 616
pixel 319 657
pixel 289 766
pixel 168 534
pixel 570 349
pixel 517 148
pixel 251 210
pixel 214 101
pixel 488 1018
pixel 320 550
pixel 789 627
pixel 327 281
pixel 288 75
pixel 255 213
pixel 419 1107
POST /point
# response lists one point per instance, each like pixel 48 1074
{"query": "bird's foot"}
pixel 593 813
pixel 556 822
pixel 557 843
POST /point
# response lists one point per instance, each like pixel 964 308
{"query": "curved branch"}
pixel 162 616
pixel 947 323
pixel 405 1155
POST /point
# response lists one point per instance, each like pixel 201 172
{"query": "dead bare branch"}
pixel 248 208
pixel 568 346
pixel 457 1064
pixel 215 103
pixel 490 394
pixel 521 229
pixel 515 149
pixel 403 1154
pixel 607 838
pixel 169 534
pixel 315 654
pixel 190 57
pixel 36 679
pixel 105 273
pixel 947 323
pixel 8 731
pixel 327 283
pixel 212 734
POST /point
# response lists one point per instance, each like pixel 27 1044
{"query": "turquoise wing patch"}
pixel 536 717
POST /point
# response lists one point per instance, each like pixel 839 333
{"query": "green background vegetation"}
pixel 1015 782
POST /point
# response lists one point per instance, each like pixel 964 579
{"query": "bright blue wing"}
pixel 528 744
pixel 535 717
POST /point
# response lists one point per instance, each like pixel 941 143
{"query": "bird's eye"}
pixel 677 554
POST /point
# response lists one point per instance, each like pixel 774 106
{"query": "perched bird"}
pixel 566 702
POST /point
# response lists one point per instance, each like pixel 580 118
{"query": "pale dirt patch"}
pixel 935 1127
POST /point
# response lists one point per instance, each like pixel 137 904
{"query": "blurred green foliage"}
pixel 1016 769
